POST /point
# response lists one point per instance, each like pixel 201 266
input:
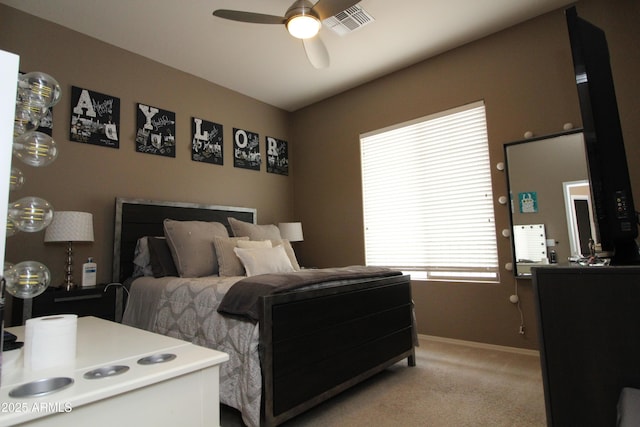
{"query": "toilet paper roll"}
pixel 50 341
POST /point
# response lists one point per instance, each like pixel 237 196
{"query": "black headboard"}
pixel 135 218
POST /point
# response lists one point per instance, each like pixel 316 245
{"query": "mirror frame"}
pixel 514 202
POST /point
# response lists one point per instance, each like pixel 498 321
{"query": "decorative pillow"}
pixel 254 244
pixel 141 258
pixel 160 257
pixel 254 231
pixel 228 262
pixel 264 260
pixel 289 250
pixel 191 245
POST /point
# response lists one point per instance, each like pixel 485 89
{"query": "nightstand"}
pixel 98 301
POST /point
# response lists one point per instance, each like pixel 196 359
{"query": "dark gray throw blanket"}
pixel 242 298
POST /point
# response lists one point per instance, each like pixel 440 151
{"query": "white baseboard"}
pixel 475 344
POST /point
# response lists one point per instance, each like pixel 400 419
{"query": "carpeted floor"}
pixel 452 385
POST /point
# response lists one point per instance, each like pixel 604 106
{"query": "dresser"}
pixel 178 383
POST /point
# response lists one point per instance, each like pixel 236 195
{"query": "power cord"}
pixel 515 299
pixel 117 285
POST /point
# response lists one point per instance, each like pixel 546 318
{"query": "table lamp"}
pixel 291 231
pixel 69 226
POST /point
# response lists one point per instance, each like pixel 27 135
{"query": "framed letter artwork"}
pixel 277 156
pixel 246 149
pixel 206 141
pixel 156 131
pixel 95 118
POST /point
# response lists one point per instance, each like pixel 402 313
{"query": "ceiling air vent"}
pixel 348 20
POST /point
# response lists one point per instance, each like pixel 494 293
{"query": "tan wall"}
pixel 89 178
pixel 524 75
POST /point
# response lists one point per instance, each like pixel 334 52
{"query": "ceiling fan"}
pixel 303 20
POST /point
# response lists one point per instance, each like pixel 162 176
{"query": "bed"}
pixel 305 344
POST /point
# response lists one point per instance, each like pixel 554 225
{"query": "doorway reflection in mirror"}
pixel 577 197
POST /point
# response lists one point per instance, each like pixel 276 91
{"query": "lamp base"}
pixel 68 280
pixel 68 286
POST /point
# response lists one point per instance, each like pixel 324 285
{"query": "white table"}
pixel 182 391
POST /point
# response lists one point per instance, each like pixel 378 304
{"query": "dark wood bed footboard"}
pixel 316 344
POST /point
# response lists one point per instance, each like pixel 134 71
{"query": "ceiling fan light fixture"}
pixel 303 26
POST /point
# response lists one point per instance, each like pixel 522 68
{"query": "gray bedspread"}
pixel 242 299
pixel 186 308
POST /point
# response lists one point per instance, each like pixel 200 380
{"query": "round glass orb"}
pixel 30 214
pixel 40 88
pixel 27 279
pixel 12 230
pixel 26 120
pixel 16 180
pixel 32 107
pixel 35 149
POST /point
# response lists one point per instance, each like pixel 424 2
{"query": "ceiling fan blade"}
pixel 327 8
pixel 253 18
pixel 316 52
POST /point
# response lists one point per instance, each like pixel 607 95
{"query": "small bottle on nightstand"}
pixel 89 271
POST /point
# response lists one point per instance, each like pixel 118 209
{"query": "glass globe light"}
pixel 7 265
pixel 16 180
pixel 30 214
pixel 26 119
pixel 27 279
pixel 33 106
pixel 12 230
pixel 35 149
pixel 40 88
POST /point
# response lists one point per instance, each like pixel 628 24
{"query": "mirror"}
pixel 551 211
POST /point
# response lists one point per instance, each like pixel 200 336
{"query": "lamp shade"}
pixel 69 226
pixel 291 231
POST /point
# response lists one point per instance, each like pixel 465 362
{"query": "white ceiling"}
pixel 264 61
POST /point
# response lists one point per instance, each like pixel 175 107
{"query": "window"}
pixel 428 205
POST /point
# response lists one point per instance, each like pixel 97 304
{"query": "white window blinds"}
pixel 428 206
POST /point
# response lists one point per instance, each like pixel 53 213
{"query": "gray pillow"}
pixel 228 262
pixel 162 264
pixel 191 245
pixel 254 231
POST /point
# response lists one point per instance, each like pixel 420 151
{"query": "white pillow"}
pixel 244 244
pixel 142 259
pixel 264 260
pixel 289 250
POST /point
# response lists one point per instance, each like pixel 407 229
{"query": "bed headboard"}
pixel 135 218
